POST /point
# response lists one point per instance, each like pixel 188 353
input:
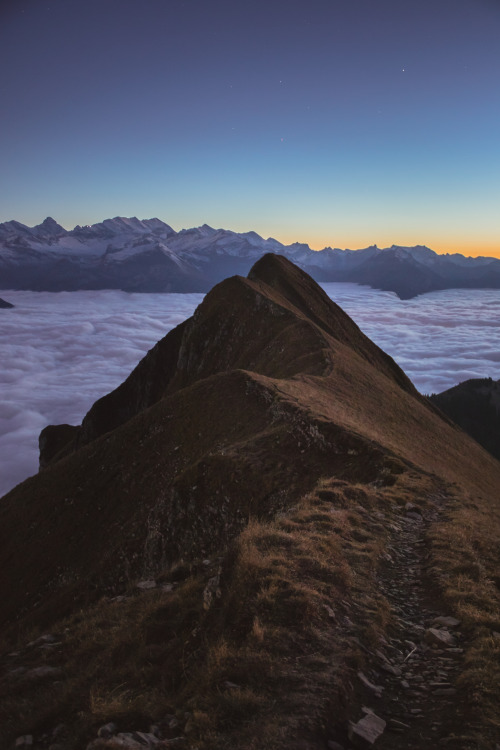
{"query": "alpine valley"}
pixel 264 539
pixel 150 256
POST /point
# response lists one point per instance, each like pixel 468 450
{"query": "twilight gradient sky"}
pixel 332 122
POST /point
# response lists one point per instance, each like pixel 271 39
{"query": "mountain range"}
pixel 265 537
pixel 150 256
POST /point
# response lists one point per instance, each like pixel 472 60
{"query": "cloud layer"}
pixel 60 352
pixel 439 339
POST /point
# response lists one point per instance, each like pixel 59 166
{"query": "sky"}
pixel 339 123
pixel 62 351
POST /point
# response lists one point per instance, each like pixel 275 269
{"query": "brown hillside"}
pixel 269 434
pixel 231 330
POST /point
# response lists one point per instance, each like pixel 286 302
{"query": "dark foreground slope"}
pixel 252 471
pixel 475 406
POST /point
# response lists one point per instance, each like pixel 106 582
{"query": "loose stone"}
pixel 107 730
pixel 412 515
pixel 24 742
pixel 366 732
pixel 439 637
pixel 446 622
pixel 47 638
pixel 145 585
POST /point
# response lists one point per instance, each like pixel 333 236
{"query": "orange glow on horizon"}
pixel 464 247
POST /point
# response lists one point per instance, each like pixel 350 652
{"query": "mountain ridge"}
pixel 150 256
pixel 235 534
pixel 238 328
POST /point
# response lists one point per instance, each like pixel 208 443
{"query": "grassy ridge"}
pixel 261 647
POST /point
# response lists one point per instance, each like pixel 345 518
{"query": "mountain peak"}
pixel 148 255
pixel 272 266
pixel 206 229
pixel 236 327
pixel 49 228
pixel 288 279
pixel 294 285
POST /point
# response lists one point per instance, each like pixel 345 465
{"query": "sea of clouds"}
pixel 59 352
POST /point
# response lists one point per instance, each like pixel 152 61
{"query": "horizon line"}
pixel 466 249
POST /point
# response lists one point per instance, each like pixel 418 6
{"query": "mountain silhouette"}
pixel 150 256
pixel 475 406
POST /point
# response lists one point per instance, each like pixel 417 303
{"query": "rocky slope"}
pixel 150 256
pixel 475 406
pixel 242 539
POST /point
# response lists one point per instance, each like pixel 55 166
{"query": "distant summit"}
pixel 150 256
pixel 49 228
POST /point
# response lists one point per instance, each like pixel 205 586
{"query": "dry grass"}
pixel 299 593
pixel 112 659
pixel 270 663
pixel 271 659
pixel 465 560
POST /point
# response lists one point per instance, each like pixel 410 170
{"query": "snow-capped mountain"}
pixel 150 256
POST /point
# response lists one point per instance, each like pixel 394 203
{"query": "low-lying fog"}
pixel 59 352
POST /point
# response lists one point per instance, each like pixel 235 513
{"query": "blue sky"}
pixel 333 122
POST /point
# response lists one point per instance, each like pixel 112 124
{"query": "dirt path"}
pixel 411 680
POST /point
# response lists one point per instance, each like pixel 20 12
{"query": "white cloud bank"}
pixel 439 339
pixel 59 352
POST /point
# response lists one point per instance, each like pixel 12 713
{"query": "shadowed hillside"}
pixel 245 536
pixel 475 406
